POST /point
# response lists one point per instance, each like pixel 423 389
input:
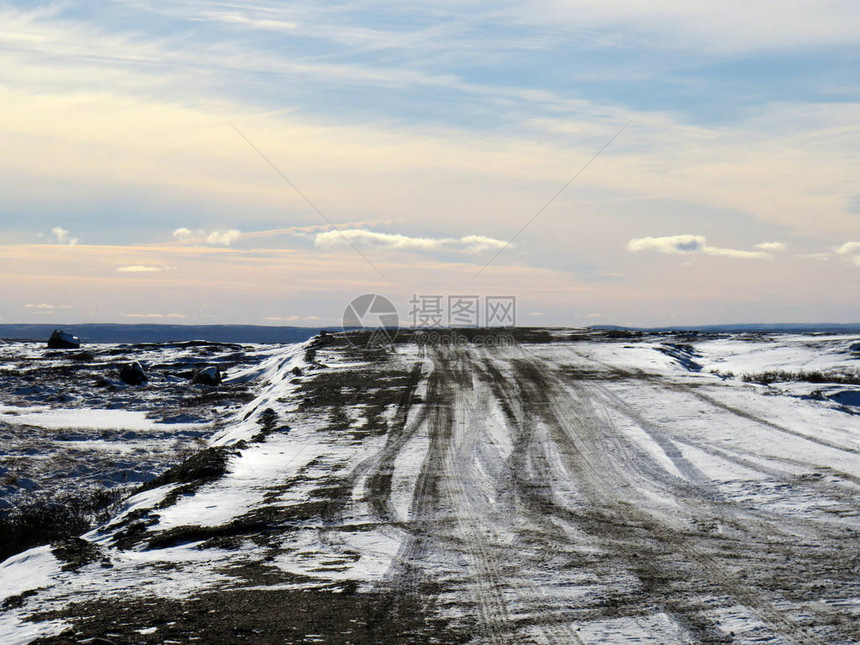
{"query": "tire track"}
pixel 745 460
pixel 582 440
pixel 436 507
pixel 575 488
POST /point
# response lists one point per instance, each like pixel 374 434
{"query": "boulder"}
pixel 63 340
pixel 133 374
pixel 208 376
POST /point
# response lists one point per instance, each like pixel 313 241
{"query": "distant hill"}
pixel 119 333
pixel 111 333
pixel 780 328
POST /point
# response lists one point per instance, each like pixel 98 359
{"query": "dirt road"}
pixel 533 493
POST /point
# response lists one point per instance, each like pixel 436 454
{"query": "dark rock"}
pixel 208 376
pixel 268 419
pixel 133 374
pixel 297 371
pixel 27 484
pixel 63 340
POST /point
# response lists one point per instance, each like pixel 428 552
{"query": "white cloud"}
pixel 683 244
pixel 396 241
pixel 214 238
pixel 736 253
pixel 851 248
pixel 772 246
pixel 139 268
pixel 308 231
pixel 223 238
pixel 670 244
pixel 61 236
pixel 153 316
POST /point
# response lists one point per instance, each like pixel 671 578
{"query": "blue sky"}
pixel 418 129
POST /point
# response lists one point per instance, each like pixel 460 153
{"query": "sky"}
pixel 200 162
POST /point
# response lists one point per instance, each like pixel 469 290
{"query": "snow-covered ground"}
pixel 653 489
pixel 70 426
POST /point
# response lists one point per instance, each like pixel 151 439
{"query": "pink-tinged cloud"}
pixel 139 268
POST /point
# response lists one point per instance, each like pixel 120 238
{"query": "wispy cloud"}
pixel 396 241
pixel 772 246
pixel 291 318
pixel 214 238
pixel 683 244
pixel 139 268
pixel 701 26
pixel 245 20
pixel 45 309
pixel 154 316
